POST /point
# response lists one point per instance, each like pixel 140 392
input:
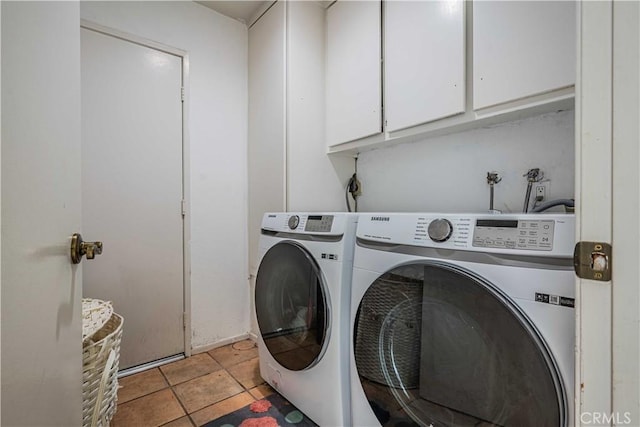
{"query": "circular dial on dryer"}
pixel 440 230
pixel 294 220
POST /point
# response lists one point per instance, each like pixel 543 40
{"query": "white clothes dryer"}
pixel 462 320
pixel 302 295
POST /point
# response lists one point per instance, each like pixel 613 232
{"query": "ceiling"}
pixel 242 10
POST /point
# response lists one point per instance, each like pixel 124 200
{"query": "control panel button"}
pixel 512 234
pixel 294 220
pixel 440 230
pixel 319 223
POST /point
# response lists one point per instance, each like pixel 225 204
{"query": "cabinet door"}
pixel 424 61
pixel 266 149
pixel 522 48
pixel 354 99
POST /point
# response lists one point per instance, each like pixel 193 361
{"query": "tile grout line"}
pixel 243 388
pixel 147 394
pixel 226 369
pixel 186 413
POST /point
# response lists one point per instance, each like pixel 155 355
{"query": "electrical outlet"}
pixel 541 192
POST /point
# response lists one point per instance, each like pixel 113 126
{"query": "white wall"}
pixel 217 48
pixel 315 181
pixel 448 173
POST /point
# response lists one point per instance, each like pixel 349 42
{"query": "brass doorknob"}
pixel 80 248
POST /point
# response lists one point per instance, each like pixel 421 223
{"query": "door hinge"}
pixel 592 260
pixel 184 320
pixel 183 208
pixel 182 94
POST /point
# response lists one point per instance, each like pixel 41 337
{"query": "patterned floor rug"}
pixel 272 411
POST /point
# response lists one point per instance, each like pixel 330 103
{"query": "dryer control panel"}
pixel 319 223
pixel 304 223
pixel 514 234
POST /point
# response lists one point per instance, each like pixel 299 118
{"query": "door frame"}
pixel 625 350
pixel 186 163
pixel 593 168
pixel 607 131
pixel 607 371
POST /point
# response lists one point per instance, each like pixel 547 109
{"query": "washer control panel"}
pixel 530 234
pixel 539 235
pixel 319 223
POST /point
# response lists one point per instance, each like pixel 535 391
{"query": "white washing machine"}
pixel 463 320
pixel 302 295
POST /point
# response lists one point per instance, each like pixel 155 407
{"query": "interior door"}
pixel 132 190
pixel 41 289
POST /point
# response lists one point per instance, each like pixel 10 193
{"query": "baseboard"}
pixel 223 342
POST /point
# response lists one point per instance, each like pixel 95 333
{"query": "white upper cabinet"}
pixel 521 49
pixel 267 146
pixel 354 99
pixel 424 61
pixel 522 53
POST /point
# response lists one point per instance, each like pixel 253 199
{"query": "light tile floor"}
pixel 193 391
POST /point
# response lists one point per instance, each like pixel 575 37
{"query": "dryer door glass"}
pixel 434 344
pixel 291 306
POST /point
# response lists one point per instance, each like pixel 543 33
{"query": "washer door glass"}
pixel 436 345
pixel 291 306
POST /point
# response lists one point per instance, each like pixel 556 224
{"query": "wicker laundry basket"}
pixel 101 335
